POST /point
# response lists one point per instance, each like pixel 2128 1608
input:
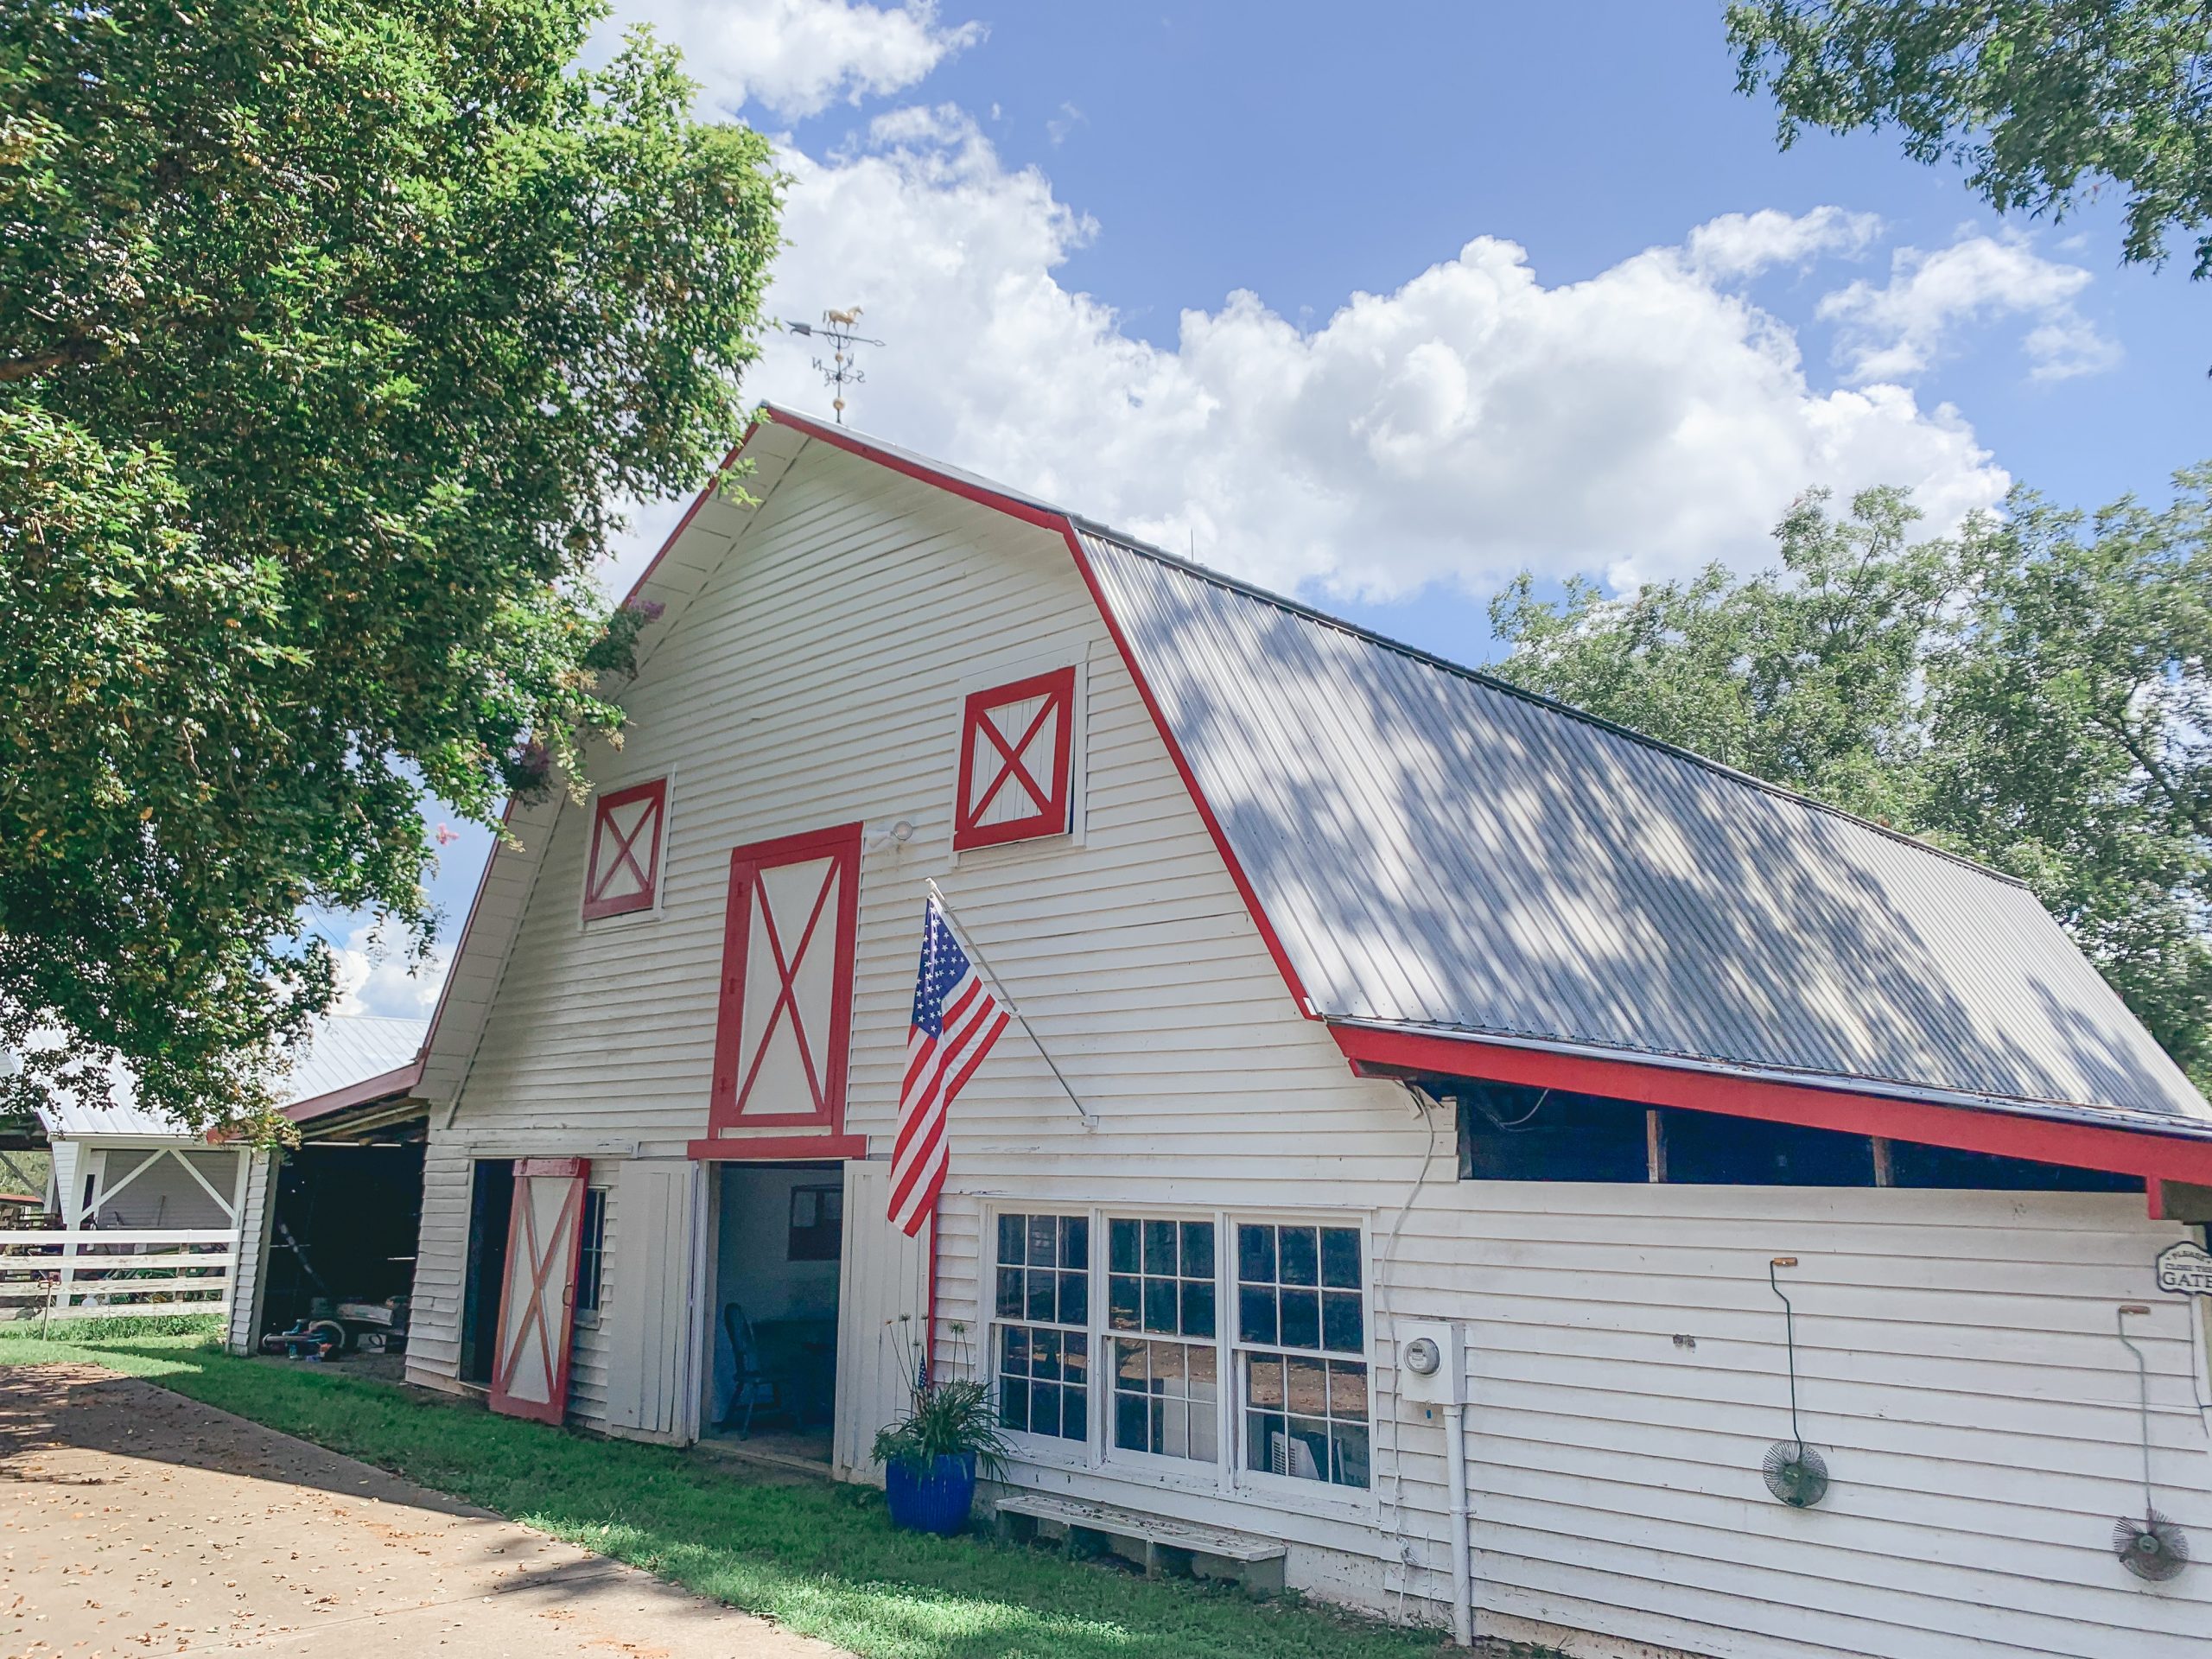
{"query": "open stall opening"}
pixel 343 1238
pixel 779 1233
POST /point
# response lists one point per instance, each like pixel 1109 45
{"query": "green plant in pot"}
pixel 931 1456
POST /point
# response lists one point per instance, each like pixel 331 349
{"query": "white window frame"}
pixel 1264 1483
pixel 1049 1449
pixel 1227 1475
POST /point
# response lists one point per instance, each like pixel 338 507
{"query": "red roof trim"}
pixel 2142 1152
pixel 397 1081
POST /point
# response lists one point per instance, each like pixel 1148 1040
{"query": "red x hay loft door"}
pixel 537 1305
pixel 625 835
pixel 1016 742
pixel 785 1022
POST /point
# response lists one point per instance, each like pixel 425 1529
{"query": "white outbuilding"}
pixel 1457 1156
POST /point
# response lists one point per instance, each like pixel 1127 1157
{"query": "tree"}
pixel 329 331
pixel 2027 695
pixel 2042 101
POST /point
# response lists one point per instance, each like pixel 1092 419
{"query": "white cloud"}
pixel 1744 245
pixel 797 57
pixel 1472 421
pixel 1901 329
pixel 375 978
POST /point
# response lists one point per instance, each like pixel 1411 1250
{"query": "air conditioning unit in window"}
pixel 1432 1361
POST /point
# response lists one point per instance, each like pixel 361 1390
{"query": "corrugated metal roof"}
pixel 1434 848
pixel 346 1049
pixel 341 1050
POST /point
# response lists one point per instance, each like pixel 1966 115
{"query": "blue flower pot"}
pixel 935 1500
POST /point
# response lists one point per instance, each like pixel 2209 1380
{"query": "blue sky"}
pixel 1608 327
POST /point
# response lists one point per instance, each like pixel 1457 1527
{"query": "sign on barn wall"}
pixel 2185 1270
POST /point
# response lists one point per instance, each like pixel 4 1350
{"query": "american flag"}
pixel 955 1021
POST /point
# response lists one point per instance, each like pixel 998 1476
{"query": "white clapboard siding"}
pixel 256 1219
pixel 646 1296
pixel 1955 1350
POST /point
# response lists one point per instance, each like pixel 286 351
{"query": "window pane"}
pixel 1340 1258
pixel 1132 1421
pixel 1122 1311
pixel 1205 1381
pixel 1042 1230
pixel 1301 1256
pixel 1341 1324
pixel 1264 1381
pixel 1044 1294
pixel 1075 1299
pixel 1014 1404
pixel 1301 1319
pixel 1263 1432
pixel 1159 1306
pixel 1198 1249
pixel 1075 1356
pixel 1015 1344
pixel 1306 1456
pixel 1350 1454
pixel 1121 1246
pixel 1044 1408
pixel 1255 1254
pixel 1010 1293
pixel 1160 1247
pixel 1044 1354
pixel 1197 1308
pixel 1075 1240
pixel 1347 1390
pixel 1014 1232
pixel 1075 1416
pixel 1255 1313
pixel 1308 1385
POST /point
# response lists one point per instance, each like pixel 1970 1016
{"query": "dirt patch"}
pixel 135 1521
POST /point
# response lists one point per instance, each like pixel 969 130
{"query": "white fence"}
pixel 116 1273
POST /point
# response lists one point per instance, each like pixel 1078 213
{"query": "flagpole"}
pixel 1090 1120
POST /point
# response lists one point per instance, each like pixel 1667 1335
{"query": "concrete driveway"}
pixel 134 1522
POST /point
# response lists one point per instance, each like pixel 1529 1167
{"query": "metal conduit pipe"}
pixel 1463 1566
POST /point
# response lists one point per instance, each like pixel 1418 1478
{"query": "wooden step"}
pixel 1165 1545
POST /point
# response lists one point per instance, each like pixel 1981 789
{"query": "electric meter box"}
pixel 1432 1360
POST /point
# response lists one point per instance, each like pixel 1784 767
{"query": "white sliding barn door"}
pixel 649 1331
pixel 537 1305
pixel 886 1286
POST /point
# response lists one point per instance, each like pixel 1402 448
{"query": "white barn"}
pixel 1387 1002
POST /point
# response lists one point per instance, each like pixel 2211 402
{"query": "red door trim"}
pixel 2040 1140
pixel 538 1266
pixel 650 830
pixel 841 846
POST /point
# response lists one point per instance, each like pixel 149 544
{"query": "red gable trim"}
pixel 2041 1139
pixel 1028 512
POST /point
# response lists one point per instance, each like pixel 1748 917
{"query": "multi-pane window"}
pixel 591 1250
pixel 1161 1291
pixel 1301 1324
pixel 1043 1357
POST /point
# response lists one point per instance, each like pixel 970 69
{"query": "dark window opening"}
pixel 1913 1164
pixel 1513 1132
pixel 1510 1133
pixel 1706 1149
pixel 817 1224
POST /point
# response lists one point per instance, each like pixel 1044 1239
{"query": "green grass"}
pixel 823 1559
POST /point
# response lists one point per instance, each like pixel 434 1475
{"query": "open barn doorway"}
pixel 777 1267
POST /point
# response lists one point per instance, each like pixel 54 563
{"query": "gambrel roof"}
pixel 1455 874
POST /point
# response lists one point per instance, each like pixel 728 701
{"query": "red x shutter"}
pixel 1016 743
pixel 537 1304
pixel 786 1022
pixel 624 872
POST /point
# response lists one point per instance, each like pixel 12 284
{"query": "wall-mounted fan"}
pixel 1795 1473
pixel 2153 1547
